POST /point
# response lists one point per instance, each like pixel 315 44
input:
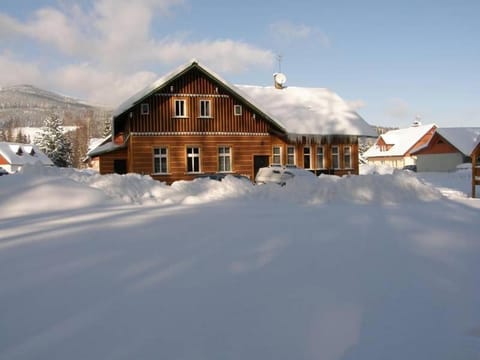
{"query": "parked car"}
pixel 3 171
pixel 280 174
pixel 220 176
pixel 410 167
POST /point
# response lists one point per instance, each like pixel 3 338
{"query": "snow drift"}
pixel 368 267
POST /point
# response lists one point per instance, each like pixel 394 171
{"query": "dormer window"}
pixel 19 151
pixel 145 109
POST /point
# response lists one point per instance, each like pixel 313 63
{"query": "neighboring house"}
pixel 191 121
pixel 14 156
pixel 447 148
pixel 395 148
pixel 475 168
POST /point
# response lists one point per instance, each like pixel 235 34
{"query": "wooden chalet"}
pixel 192 122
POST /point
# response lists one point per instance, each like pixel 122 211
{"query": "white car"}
pixel 280 174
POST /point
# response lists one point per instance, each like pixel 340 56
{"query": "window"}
pixel 335 158
pixel 320 161
pixel 306 157
pixel 180 108
pixel 237 110
pixel 291 155
pixel 205 109
pixel 144 109
pixel 277 155
pixel 160 160
pixel 347 157
pixel 193 159
pixel 224 159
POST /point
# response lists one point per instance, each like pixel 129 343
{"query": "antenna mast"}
pixel 279 59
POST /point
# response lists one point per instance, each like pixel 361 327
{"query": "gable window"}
pixel 320 159
pixel 347 157
pixel 335 158
pixel 193 159
pixel 145 109
pixel 291 155
pixel 237 110
pixel 205 109
pixel 224 159
pixel 306 157
pixel 276 155
pixel 160 160
pixel 180 108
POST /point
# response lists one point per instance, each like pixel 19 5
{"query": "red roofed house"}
pixel 396 148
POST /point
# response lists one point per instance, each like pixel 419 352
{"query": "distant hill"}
pixel 28 106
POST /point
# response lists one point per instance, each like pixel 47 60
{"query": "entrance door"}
pixel 259 161
pixel 120 166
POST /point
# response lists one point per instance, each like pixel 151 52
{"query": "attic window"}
pixel 237 110
pixel 144 109
pixel 440 141
pixel 19 151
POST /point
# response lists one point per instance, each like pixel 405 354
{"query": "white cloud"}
pixel 398 109
pixel 113 41
pixel 14 71
pixel 286 32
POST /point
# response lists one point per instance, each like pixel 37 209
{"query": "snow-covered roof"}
pixel 300 110
pixel 296 110
pixel 106 146
pixel 465 139
pixel 402 140
pixel 21 154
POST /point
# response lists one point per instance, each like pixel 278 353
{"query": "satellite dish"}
pixel 280 78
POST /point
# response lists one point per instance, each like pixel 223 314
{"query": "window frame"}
pixel 208 108
pixel 321 163
pixel 184 102
pixel 190 159
pixel 160 156
pixel 222 159
pixel 237 113
pixel 350 165
pixel 144 109
pixel 337 155
pixel 309 155
pixel 289 147
pixel 279 155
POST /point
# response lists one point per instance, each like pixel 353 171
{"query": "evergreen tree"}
pixel 54 143
pixel 107 127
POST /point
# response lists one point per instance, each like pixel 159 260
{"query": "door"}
pixel 259 161
pixel 120 166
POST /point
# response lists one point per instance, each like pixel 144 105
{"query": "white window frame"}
pixel 237 110
pixel 309 155
pixel 225 159
pixel 335 154
pixel 191 156
pixel 205 111
pixel 349 154
pixel 159 157
pixel 320 155
pixel 144 109
pixel 275 155
pixel 291 155
pixel 180 114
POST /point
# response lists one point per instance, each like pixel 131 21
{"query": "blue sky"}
pixel 393 60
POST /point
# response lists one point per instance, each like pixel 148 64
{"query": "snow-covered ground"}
pixel 380 266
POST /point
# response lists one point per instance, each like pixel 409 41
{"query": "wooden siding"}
pixel 438 145
pixel 423 141
pixel 106 160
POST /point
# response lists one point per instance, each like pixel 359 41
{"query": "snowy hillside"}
pixel 123 267
pixel 27 105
